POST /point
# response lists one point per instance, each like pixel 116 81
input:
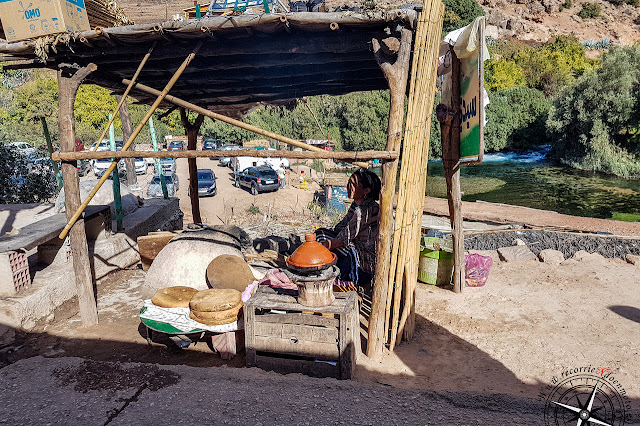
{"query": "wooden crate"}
pixel 284 336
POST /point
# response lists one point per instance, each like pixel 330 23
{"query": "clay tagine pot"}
pixel 311 256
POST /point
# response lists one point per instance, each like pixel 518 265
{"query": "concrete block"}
pixel 551 256
pixel 516 253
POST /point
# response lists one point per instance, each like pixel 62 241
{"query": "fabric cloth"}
pixel 347 256
pixel 179 318
pixel 359 228
pixel 274 278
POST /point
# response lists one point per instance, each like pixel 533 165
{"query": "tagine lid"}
pixel 311 254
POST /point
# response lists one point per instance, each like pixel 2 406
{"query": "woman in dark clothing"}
pixel 354 239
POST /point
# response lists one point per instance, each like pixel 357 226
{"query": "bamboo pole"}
pixel 396 76
pixel 126 146
pixel 233 122
pixel 396 267
pixel 124 95
pixel 383 156
pixel 424 127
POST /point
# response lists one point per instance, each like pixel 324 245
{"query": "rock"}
pixel 519 242
pixel 576 18
pixel 7 334
pixel 185 259
pixel 582 255
pixel 633 259
pixel 491 31
pixel 516 253
pixel 551 256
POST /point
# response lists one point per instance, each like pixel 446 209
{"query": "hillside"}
pixel 523 19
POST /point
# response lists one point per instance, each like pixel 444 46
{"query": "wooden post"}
pixel 47 137
pixel 451 163
pixel 127 130
pixel 192 140
pixel 396 76
pixel 67 89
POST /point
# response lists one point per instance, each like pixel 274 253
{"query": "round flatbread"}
pixel 174 297
pixel 216 300
pixel 209 321
pixel 227 271
pixel 233 312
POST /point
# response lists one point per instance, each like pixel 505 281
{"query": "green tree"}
pixel 459 13
pixel 502 74
pixel 595 122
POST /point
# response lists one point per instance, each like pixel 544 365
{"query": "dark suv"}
pixel 258 179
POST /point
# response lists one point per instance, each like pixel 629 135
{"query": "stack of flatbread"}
pixel 174 297
pixel 215 306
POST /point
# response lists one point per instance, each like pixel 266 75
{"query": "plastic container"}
pixel 436 265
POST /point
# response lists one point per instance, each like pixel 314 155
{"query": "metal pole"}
pixel 47 136
pixel 117 199
pixel 165 194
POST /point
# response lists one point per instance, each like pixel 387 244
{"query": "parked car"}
pixel 140 166
pixel 39 165
pixel 211 144
pixel 206 183
pixel 155 186
pixel 226 161
pixel 100 165
pixel 83 167
pixel 175 146
pixel 22 147
pixel 258 179
pixel 168 165
pixel 105 145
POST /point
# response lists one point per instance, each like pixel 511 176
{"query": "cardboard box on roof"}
pixel 24 19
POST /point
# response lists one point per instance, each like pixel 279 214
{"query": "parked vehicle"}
pixel 39 165
pixel 206 183
pixel 258 179
pixel 168 165
pixel 100 165
pixel 84 167
pixel 140 166
pixel 176 145
pixel 22 147
pixel 242 163
pixel 155 186
pixel 226 161
pixel 105 145
pixel 211 144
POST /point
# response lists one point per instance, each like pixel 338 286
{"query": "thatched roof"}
pixel 244 60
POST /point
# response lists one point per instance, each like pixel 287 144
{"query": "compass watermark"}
pixel 584 396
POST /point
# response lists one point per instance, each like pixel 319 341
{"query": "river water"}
pixel 529 180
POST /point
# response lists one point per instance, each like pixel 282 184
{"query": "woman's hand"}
pixel 333 244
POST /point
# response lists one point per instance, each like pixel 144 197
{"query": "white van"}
pixel 241 163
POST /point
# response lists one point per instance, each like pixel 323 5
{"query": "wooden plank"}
pixel 298 332
pixel 287 365
pixel 249 332
pixel 349 338
pixel 304 319
pixel 150 245
pixel 324 351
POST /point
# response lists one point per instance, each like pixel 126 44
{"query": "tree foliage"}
pixel 459 13
pixel 595 122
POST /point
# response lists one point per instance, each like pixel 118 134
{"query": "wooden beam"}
pixel 67 89
pixel 327 155
pixel 396 75
pixel 233 122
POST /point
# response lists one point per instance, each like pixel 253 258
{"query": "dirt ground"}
pixel 531 322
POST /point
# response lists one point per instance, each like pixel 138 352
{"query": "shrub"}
pixel 637 20
pixel 589 10
pixel 502 74
pixel 253 209
pixel 566 5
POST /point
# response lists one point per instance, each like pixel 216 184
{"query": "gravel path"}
pixel 567 243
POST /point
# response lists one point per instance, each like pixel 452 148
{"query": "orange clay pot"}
pixel 311 255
